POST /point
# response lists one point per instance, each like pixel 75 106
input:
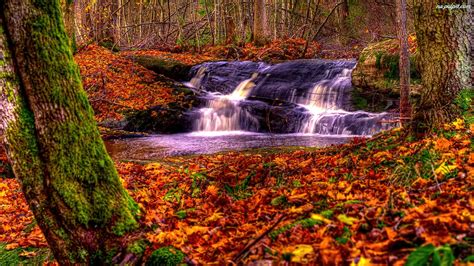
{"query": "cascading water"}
pixel 223 112
pixel 303 96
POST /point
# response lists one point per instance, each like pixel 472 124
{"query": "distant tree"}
pixel 229 23
pixel 52 141
pixel 343 29
pixel 404 65
pixel 260 23
pixel 444 59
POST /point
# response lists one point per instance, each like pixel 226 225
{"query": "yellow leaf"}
pixel 319 217
pixel 28 254
pixel 346 219
pixel 297 197
pixel 196 229
pixel 304 208
pixel 300 252
pixel 445 168
pixel 12 246
pixel 306 163
pixel 383 154
pixel 280 162
pixel 348 189
pixel 458 124
pixel 362 262
pixel 215 216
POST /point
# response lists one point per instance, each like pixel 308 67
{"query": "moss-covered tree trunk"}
pixel 444 59
pixel 52 141
pixel 67 7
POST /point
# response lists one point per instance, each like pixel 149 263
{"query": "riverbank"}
pixel 377 199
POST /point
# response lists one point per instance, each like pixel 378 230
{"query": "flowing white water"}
pixel 321 89
pixel 223 112
pixel 195 81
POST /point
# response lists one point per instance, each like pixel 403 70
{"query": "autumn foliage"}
pixel 372 200
pixel 115 84
pixel 277 50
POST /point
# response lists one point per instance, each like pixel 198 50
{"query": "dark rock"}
pixel 280 117
pixel 159 119
pixel 164 66
pixel 225 76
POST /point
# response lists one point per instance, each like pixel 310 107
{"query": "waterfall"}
pixel 325 106
pixel 195 81
pixel 302 96
pixel 244 88
pixel 223 113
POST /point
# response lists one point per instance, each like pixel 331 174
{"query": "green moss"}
pixel 358 101
pixel 362 58
pixel 327 214
pixel 309 222
pixel 61 233
pixel 166 256
pixel 344 237
pixel 109 45
pixel 305 223
pixel 280 200
pixel 103 257
pixel 464 101
pixel 81 174
pixel 378 59
pixel 137 247
pixel 12 257
pixel 181 214
pixel 165 66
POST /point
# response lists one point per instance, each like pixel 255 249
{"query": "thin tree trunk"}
pixel 260 23
pixel 229 24
pixel 53 144
pixel 404 64
pixel 341 14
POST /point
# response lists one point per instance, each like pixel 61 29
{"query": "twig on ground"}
pixel 247 248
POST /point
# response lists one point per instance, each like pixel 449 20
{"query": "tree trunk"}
pixel 229 23
pixel 259 23
pixel 53 144
pixel 342 13
pixel 404 63
pixel 444 59
pixel 67 7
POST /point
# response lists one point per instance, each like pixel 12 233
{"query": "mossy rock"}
pixel 166 256
pixel 170 119
pixel 164 66
pixel 174 117
pixel 376 77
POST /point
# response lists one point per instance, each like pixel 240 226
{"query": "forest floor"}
pixel 371 201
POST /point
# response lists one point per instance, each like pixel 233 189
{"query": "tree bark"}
pixel 52 141
pixel 342 13
pixel 67 7
pixel 444 59
pixel 404 64
pixel 260 23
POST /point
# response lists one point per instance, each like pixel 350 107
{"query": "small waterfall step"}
pixel 301 96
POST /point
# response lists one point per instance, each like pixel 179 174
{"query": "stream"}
pixel 248 105
pixel 159 146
